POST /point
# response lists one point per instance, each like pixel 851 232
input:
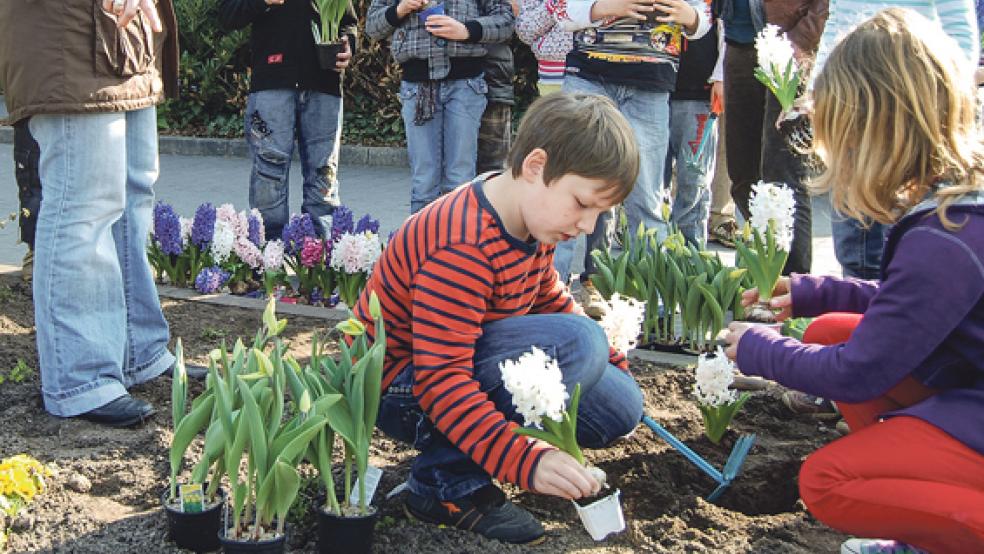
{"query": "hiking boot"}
pixel 801 403
pixel 485 511
pixel 27 266
pixel 590 300
pixel 878 546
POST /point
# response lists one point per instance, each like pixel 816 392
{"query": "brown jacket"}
pixel 801 20
pixel 68 56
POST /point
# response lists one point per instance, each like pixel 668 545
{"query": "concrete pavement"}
pixel 187 181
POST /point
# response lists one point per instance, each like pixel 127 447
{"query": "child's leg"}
pixel 903 479
pixel 424 143
pixel 494 137
pixel 462 102
pixel 690 123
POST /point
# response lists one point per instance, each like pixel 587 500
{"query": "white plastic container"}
pixel 602 517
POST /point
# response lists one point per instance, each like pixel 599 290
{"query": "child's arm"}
pixel 535 20
pixel 449 297
pixel 574 15
pixel 384 16
pixel 813 295
pixel 959 20
pixel 917 307
pixel 495 25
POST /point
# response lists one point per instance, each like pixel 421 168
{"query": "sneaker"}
pixel 878 546
pixel 801 403
pixel 590 300
pixel 485 511
pixel 27 266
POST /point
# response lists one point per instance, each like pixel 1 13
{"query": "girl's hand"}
pixel 559 474
pixel 679 12
pixel 125 10
pixel 636 9
pixel 404 8
pixel 781 299
pixel 445 26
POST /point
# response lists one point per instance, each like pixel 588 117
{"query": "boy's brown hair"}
pixel 582 134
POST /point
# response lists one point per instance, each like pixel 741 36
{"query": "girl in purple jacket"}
pixel 902 357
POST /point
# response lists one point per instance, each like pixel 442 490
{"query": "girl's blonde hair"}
pixel 894 116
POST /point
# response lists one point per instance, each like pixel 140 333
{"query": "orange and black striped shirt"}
pixel 450 268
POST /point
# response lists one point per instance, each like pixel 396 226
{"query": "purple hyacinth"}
pixel 203 226
pixel 211 279
pixel 299 227
pixel 167 229
pixel 367 223
pixel 342 221
pixel 255 228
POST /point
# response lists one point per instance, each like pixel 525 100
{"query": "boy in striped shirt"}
pixel 468 282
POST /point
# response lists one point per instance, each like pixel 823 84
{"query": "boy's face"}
pixel 564 209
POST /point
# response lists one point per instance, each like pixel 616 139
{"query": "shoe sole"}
pixel 424 519
pixel 132 422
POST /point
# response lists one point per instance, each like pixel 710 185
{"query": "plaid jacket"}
pixel 488 21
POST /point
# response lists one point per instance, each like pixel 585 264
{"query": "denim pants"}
pixel 649 115
pixel 757 152
pixel 858 250
pixel 273 119
pixel 689 122
pixel 611 402
pixel 99 323
pixel 443 150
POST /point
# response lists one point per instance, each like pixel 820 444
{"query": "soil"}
pixel 662 493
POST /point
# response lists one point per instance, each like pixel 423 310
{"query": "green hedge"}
pixel 214 81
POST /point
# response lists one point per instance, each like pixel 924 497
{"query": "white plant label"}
pixel 373 475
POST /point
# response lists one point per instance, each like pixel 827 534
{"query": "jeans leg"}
pixel 649 115
pixel 147 331
pixel 690 121
pixel 425 149
pixel 781 164
pixel 463 102
pixel 270 129
pixel 79 301
pixel 744 100
pixel 611 402
pixel 858 250
pixel 319 136
pixel 26 156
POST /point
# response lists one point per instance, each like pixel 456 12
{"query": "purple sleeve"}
pixel 814 294
pixel 931 285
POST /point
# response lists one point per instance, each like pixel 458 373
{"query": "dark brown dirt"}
pixel 662 492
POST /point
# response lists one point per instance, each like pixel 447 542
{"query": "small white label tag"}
pixel 373 475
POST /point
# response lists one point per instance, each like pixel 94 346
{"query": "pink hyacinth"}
pixel 313 252
pixel 248 252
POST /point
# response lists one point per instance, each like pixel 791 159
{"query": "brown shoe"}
pixel 590 300
pixel 801 403
pixel 27 266
pixel 724 233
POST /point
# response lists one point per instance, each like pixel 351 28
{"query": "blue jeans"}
pixel 443 150
pixel 692 202
pixel 611 402
pixel 649 115
pixel 273 119
pixel 858 250
pixel 99 323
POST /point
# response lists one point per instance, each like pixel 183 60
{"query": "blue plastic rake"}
pixel 731 468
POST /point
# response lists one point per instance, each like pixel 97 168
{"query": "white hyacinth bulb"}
pixel 536 384
pixel 622 321
pixel 713 376
pixel 773 202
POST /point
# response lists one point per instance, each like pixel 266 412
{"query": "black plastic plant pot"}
pixel 276 545
pixel 346 534
pixel 194 531
pixel 328 53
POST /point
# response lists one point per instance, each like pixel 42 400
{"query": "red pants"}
pixel 901 479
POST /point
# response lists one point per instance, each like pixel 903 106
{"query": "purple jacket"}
pixel 925 318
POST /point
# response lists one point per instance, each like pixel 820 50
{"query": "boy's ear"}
pixel 534 164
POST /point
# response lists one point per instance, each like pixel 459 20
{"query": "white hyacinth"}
pixel 354 253
pixel 774 50
pixel 773 202
pixel 622 321
pixel 273 255
pixel 713 376
pixel 222 240
pixel 186 225
pixel 536 385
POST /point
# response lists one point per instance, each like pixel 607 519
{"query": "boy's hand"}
pixel 125 10
pixel 344 57
pixel 781 298
pixel 604 9
pixel 679 12
pixel 559 474
pixel 406 6
pixel 445 26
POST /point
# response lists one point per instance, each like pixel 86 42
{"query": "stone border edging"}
pixel 349 154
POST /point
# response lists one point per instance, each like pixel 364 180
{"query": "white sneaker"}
pixel 878 546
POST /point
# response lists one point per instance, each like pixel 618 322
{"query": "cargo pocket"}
pixel 121 52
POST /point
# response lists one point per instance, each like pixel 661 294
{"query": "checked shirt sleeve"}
pixel 449 298
pixel 494 25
